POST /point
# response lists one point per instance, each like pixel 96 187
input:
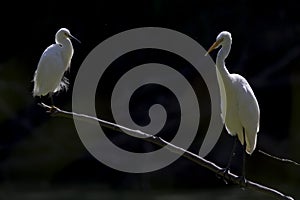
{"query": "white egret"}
pixel 54 62
pixel 242 110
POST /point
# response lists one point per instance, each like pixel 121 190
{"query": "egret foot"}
pixel 52 109
pixel 221 174
pixel 242 181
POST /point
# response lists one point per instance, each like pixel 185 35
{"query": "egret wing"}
pixel 50 71
pixel 249 113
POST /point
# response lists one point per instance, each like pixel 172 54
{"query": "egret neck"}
pixel 220 60
pixel 67 49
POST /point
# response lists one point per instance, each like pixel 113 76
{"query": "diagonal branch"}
pixel 56 112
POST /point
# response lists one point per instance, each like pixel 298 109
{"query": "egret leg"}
pixel 51 98
pixel 223 172
pixel 243 177
pixel 52 103
pixel 232 153
pixel 244 162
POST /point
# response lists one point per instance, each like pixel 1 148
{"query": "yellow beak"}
pixel 215 44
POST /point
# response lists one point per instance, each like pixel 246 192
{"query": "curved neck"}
pixel 67 47
pixel 220 61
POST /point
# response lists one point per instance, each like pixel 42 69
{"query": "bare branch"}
pixel 54 111
pixel 278 158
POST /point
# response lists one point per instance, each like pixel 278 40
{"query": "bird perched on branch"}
pixel 54 62
pixel 240 110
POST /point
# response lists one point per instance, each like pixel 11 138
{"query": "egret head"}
pixel 62 34
pixel 223 38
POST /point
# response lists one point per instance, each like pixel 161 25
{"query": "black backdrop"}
pixel 36 149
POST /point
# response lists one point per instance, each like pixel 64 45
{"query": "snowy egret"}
pixel 242 110
pixel 54 62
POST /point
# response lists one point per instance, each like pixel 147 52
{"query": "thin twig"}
pixel 278 158
pixel 54 111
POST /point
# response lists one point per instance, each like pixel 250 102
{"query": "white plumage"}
pixel 55 60
pixel 242 110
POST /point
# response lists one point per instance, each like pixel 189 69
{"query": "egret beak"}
pixel 214 46
pixel 71 36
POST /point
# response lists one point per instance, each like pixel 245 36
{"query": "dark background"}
pixel 43 157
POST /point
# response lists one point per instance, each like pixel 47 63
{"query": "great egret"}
pixel 242 110
pixel 55 60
